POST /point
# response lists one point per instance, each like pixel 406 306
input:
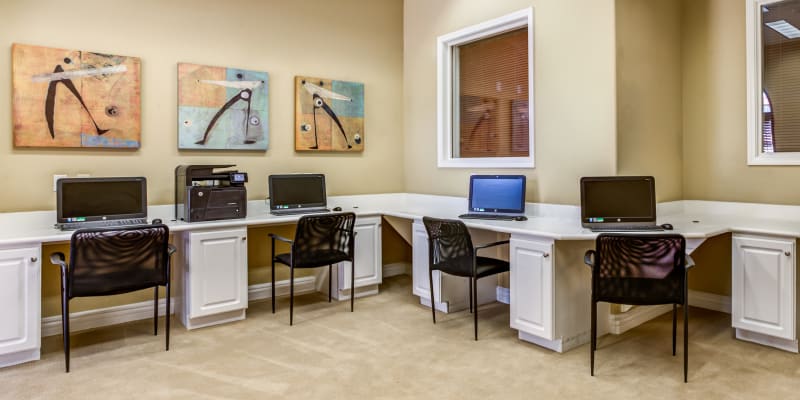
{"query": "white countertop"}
pixel 691 218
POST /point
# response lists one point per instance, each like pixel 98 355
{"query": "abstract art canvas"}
pixel 329 115
pixel 222 108
pixel 75 98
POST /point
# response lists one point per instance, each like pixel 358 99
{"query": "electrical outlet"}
pixel 56 177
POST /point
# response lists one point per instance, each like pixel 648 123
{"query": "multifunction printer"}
pixel 209 193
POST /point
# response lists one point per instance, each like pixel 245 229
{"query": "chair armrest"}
pixel 689 261
pixel 279 237
pixel 588 258
pixel 171 249
pixel 58 258
pixel 486 246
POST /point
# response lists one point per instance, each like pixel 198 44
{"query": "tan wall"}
pixel 712 273
pixel 574 89
pixel 649 140
pixel 346 39
pixel 714 111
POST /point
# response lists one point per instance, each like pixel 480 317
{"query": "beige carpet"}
pixel 389 349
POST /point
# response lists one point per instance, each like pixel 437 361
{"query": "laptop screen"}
pixel 619 199
pixel 497 194
pixel 97 199
pixel 297 191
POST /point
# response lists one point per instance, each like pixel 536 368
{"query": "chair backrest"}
pixel 115 260
pixel 639 269
pixel 323 239
pixel 449 245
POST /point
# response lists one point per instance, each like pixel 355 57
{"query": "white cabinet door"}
pixel 419 265
pixel 419 272
pixel 20 299
pixel 764 285
pixel 531 287
pixel 217 267
pixel 369 263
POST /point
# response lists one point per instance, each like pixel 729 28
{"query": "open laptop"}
pixel 619 203
pixel 496 197
pixel 99 202
pixel 297 194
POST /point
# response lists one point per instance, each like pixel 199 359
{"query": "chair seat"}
pixel 485 266
pixel 313 259
pixel 117 282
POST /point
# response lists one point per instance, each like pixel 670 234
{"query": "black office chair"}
pixel 320 240
pixel 641 270
pixel 450 250
pixel 107 261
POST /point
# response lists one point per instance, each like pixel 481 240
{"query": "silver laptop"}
pixel 297 194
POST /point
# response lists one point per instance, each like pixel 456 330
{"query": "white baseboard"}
pixel 395 269
pixel 620 323
pixel 766 340
pixel 710 301
pixel 90 319
pixel 262 291
pixel 635 316
pixel 503 295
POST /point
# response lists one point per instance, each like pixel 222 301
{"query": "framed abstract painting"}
pixel 329 115
pixel 222 108
pixel 75 98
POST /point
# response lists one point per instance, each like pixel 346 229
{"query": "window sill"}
pixel 495 162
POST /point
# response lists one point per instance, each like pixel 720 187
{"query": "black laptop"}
pixel 99 202
pixel 496 197
pixel 619 203
pixel 297 194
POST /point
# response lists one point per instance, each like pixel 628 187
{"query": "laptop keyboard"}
pixel 71 226
pixel 489 216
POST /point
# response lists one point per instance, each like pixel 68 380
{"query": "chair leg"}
pixel 433 301
pixel 475 305
pixel 352 284
pixel 330 277
pixel 674 325
pixel 470 295
pixel 273 275
pixel 168 313
pixel 685 341
pixel 65 326
pixel 593 345
pixel 155 311
pixel 291 295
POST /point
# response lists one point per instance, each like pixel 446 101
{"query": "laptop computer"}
pixel 496 197
pixel 297 194
pixel 619 203
pixel 99 202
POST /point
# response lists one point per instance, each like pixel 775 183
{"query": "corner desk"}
pixel 548 286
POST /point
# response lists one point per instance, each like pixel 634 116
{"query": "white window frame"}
pixel 755 116
pixel 445 90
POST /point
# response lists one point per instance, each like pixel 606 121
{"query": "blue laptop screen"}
pixel 497 193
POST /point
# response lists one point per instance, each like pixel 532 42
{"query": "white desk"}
pixel 549 296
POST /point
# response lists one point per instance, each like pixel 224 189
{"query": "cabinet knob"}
pixel 787 253
pixel 545 255
pixel 34 259
pixel 244 238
